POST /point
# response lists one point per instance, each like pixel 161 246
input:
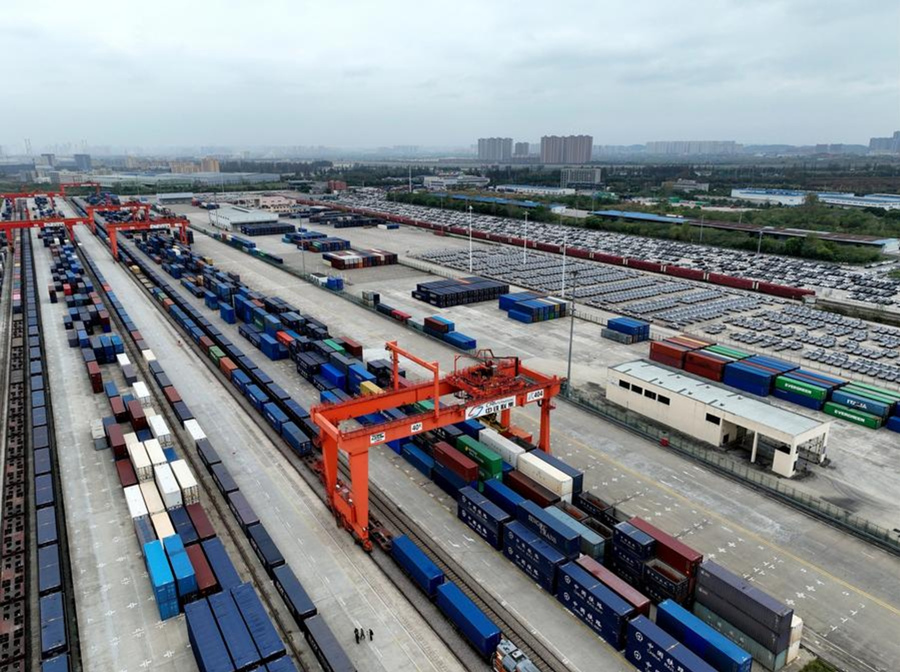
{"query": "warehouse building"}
pixel 233 217
pixel 718 415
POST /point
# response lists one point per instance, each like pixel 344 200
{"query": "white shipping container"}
pixel 130 438
pixel 151 497
pixel 193 428
pixel 160 430
pixel 123 359
pixel 508 450
pixel 141 393
pixel 98 431
pixel 162 525
pixel 143 468
pixel 547 475
pixel 190 491
pixel 167 486
pixel 796 629
pixel 148 355
pixel 135 500
pixel 155 452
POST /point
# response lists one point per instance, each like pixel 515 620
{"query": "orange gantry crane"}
pixel 140 221
pixel 494 385
pixel 29 223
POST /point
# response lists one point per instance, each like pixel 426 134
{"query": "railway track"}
pixel 259 577
pixel 385 511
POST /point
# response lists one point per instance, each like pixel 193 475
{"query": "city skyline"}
pixel 766 72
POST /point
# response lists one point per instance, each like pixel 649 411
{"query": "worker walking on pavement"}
pixel 370 634
pixel 356 634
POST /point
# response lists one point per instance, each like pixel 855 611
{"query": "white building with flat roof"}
pixel 233 217
pixel 717 415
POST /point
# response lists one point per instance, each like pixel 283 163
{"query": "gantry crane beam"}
pixel 63 185
pixel 494 385
pixel 112 228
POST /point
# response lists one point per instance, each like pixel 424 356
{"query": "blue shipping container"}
pixel 710 645
pixel 650 649
pixel 481 631
pixel 220 563
pixel 206 641
pixel 482 515
pixel 535 557
pixel 799 399
pixel 234 631
pixel 161 579
pixel 638 542
pixel 594 604
pixel 503 496
pixel 556 533
pixel 861 403
pixel 427 575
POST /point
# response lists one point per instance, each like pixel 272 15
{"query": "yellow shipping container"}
pixel 366 388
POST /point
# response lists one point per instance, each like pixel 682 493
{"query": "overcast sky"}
pixel 384 72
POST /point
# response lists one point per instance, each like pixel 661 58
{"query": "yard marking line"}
pixel 894 610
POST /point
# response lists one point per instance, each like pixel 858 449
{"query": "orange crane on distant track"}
pixel 141 221
pixel 494 385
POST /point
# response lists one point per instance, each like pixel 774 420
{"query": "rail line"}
pixel 385 511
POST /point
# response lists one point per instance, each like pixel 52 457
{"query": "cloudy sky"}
pixel 373 73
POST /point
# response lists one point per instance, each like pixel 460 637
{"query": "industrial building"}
pixel 455 181
pixel 717 415
pixel 692 147
pixel 792 197
pixel 572 149
pixel 534 190
pixel 233 217
pixel 115 180
pixel 580 178
pixel 175 198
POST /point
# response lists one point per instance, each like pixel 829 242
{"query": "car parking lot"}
pixel 867 285
pixel 675 304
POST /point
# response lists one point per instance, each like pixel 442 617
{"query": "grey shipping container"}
pixel 760 606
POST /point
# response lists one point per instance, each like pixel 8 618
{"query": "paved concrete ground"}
pixel 861 477
pixel 347 588
pixel 118 619
pixel 522 596
pixel 844 589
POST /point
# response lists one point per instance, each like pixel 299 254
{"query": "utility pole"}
pixel 565 246
pixel 470 239
pixel 525 246
pixel 701 229
pixel 759 243
pixel 571 333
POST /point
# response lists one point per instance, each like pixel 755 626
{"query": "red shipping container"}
pixel 689 342
pixel 200 521
pixel 227 367
pixel 172 395
pixel 284 338
pixel 530 489
pixel 627 592
pixel 675 553
pixel 126 473
pixel 206 579
pixel 95 377
pixel 681 272
pixel 455 461
pixel 652 266
pixel 514 432
pixel 670 354
pixel 353 347
pixel 116 440
pixel 117 406
pixel 400 315
pixel 136 335
pixel 703 372
pixel 205 344
pixel 136 415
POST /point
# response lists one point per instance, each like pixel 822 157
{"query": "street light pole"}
pixel 470 239
pixel 571 334
pixel 565 247
pixel 525 245
pixel 759 243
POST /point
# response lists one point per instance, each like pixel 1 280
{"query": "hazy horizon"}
pixel 362 75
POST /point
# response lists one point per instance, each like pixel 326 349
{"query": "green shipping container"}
pixel 490 464
pixel 728 352
pixel 258 322
pixel 852 415
pixel 215 353
pixel 798 387
pixel 871 392
pixel 334 346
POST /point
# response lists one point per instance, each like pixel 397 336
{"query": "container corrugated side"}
pixel 546 475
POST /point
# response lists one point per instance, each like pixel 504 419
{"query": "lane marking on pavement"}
pixel 881 603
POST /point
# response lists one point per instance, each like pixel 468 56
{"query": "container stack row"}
pixel 626 330
pixel 444 329
pixel 529 307
pixel 860 403
pixel 269 399
pixel 351 259
pixel 459 291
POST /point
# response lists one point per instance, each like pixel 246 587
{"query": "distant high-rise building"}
pixel 494 149
pixel 183 167
pixel 48 159
pixel 209 165
pixel 82 161
pixel 566 149
pixel 692 147
pixel 521 149
pixel 889 145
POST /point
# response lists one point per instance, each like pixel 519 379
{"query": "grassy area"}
pixel 818 665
